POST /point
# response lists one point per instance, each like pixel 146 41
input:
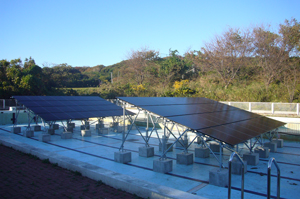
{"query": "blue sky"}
pixel 94 32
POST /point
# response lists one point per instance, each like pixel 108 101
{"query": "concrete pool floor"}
pixel 94 158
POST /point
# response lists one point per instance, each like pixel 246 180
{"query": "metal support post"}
pixel 272 108
pixel 164 154
pixel 65 127
pixel 229 173
pixel 164 141
pixel 221 155
pixel 44 124
pixel 250 107
pixel 298 109
pixel 269 178
pixel 154 128
pixel 147 136
pixel 17 114
pixel 29 121
pixel 130 127
pixel 147 121
pixel 123 133
pixel 201 136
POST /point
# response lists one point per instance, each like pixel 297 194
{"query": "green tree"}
pixel 32 80
pixel 5 85
pixel 29 62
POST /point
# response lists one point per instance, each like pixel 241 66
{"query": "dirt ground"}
pixel 26 176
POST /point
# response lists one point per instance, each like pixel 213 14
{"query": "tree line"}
pixel 254 64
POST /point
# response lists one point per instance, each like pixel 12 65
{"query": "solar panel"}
pixel 52 108
pixel 220 121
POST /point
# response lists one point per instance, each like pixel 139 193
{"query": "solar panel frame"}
pixel 217 120
pixel 54 108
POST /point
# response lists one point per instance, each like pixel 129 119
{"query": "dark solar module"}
pixel 52 108
pixel 220 121
pixel 160 101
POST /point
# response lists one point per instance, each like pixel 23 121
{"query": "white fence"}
pixel 284 109
pixel 290 128
pixel 268 107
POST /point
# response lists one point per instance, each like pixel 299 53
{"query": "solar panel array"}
pixel 55 108
pixel 220 121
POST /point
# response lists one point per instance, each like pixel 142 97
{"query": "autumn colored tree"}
pixel 227 53
pixel 270 54
pixel 140 63
pixel 290 34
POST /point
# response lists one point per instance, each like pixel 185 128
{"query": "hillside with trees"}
pixel 256 64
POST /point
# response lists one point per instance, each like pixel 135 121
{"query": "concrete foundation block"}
pixel 85 127
pixel 44 137
pixel 218 177
pixel 251 158
pixel 86 133
pixel 29 133
pixel 104 131
pixel 162 166
pixel 66 135
pixel 55 126
pixel 51 131
pixel 202 152
pixel 185 158
pixel 168 144
pixel 69 129
pixel 37 128
pixel 71 125
pixel 146 151
pixel 279 142
pixel 123 157
pixel 98 126
pixel 215 147
pixel 15 129
pixel 262 151
pixel 120 129
pixel 114 126
pixel 272 146
pixel 236 167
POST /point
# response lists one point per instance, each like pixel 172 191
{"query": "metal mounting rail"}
pixel 229 173
pixel 269 178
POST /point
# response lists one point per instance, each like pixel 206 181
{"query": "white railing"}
pixel 268 107
pixel 272 109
